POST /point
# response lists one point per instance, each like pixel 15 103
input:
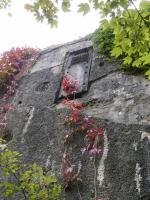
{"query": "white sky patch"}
pixel 23 30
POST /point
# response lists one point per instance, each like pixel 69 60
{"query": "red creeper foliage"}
pixel 69 85
pixel 13 64
pixel 68 174
pixel 79 123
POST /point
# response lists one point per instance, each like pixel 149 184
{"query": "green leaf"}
pixel 146 59
pixel 148 74
pixel 84 8
pixel 96 4
pixel 127 60
pixel 28 7
pixel 53 23
pixel 116 52
pixel 145 5
pixel 65 5
pixel 137 63
pixel 5 4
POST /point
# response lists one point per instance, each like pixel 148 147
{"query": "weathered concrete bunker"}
pixel 121 101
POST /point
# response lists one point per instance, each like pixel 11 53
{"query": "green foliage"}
pixel 30 180
pixel 113 7
pixel 65 5
pixel 4 4
pixel 130 40
pixel 84 8
pixel 147 73
pixel 45 9
pixel 103 38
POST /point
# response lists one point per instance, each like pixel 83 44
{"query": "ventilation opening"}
pixel 84 57
pixel 77 67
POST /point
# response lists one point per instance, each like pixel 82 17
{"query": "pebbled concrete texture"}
pixel 119 101
pixel 120 98
pixel 55 57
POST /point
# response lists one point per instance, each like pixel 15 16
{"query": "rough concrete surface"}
pixel 121 102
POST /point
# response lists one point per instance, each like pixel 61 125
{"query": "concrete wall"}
pixel 121 102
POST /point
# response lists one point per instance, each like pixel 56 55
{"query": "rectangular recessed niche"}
pixel 77 64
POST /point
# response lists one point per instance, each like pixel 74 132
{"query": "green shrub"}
pixel 103 40
pixel 30 180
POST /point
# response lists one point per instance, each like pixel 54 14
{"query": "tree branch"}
pixel 23 190
pixel 137 11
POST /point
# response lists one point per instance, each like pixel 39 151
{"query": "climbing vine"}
pixel 86 126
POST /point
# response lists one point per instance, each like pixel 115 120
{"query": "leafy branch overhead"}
pixel 84 8
pixel 126 36
pixel 48 9
pixel 4 4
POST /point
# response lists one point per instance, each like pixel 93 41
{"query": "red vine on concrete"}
pixel 13 65
pixel 79 124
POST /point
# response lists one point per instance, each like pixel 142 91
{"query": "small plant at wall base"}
pixel 17 178
pixel 78 123
pixel 28 180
